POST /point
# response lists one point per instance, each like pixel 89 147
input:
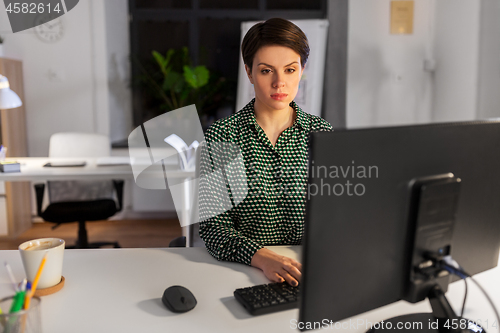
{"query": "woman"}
pixel 272 133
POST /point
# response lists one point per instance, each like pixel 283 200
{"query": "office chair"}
pixel 80 201
pixel 193 228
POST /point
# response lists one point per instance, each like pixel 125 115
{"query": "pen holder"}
pixel 3 153
pixel 23 321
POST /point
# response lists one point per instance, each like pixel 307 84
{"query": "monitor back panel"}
pixel 357 235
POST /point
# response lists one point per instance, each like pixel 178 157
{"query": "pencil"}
pixel 35 283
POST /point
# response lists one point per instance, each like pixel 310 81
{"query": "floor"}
pixel 129 233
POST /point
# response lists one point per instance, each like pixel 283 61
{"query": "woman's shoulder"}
pixel 225 128
pixel 219 129
pixel 319 124
pixel 315 123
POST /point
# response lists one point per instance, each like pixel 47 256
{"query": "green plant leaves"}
pixel 164 62
pixel 172 81
pixel 196 77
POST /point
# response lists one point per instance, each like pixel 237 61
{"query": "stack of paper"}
pixel 186 153
pixel 10 166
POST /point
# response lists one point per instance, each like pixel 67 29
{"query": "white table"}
pixel 119 290
pixel 32 169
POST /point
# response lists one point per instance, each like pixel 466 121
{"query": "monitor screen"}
pixel 357 234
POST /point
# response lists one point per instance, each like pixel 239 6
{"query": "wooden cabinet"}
pixel 16 203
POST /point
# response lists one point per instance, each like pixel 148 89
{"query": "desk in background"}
pixel 32 169
pixel 119 290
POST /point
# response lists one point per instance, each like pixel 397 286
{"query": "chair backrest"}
pixel 79 145
pixel 74 144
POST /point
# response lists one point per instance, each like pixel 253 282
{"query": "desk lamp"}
pixel 8 98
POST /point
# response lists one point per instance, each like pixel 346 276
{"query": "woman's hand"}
pixel 277 268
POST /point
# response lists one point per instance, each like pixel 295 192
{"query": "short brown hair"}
pixel 275 31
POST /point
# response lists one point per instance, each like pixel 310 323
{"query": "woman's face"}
pixel 275 74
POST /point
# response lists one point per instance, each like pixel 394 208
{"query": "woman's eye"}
pixel 291 70
pixel 265 71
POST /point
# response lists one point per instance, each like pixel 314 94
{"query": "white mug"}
pixel 32 253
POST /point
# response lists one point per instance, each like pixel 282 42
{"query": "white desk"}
pixel 32 169
pixel 119 290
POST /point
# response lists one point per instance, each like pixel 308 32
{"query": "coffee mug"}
pixel 32 253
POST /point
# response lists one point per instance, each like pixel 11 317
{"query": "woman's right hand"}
pixel 277 268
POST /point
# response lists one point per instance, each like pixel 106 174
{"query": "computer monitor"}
pixel 359 226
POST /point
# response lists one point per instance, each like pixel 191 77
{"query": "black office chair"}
pixel 80 201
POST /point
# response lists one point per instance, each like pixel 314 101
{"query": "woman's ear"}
pixel 249 74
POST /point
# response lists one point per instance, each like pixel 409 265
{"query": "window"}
pixel 211 31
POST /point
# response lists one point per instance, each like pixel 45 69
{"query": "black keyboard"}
pixel 268 298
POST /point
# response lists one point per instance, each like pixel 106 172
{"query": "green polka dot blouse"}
pixel 272 213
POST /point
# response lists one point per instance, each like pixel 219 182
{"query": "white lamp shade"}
pixel 8 98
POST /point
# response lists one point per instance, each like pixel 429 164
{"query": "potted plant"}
pixel 171 81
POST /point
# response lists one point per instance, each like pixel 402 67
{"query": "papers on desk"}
pixel 186 153
pixel 113 160
pixel 65 164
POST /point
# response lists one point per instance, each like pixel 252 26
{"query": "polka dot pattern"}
pixel 272 213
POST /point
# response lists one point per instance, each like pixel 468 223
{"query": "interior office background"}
pixel 448 69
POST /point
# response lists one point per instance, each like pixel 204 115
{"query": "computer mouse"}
pixel 178 299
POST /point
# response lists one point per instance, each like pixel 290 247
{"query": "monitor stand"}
pixel 442 319
pixel 432 213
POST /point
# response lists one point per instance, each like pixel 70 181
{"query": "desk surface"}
pixel 119 290
pixel 32 169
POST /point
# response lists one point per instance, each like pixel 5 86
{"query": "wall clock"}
pixel 51 31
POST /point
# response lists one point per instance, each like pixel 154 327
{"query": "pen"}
pixel 17 303
pixel 30 294
pixel 11 276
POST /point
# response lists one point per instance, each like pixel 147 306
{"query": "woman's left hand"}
pixel 277 268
